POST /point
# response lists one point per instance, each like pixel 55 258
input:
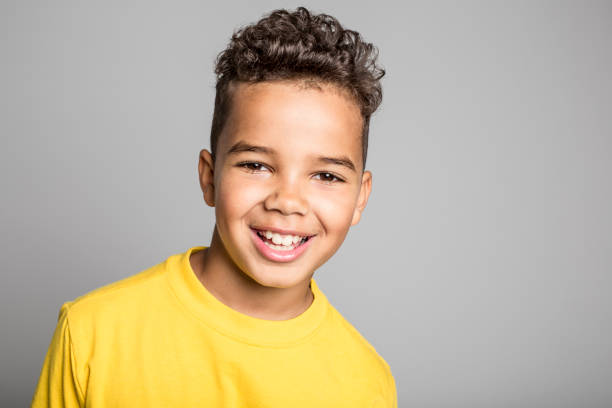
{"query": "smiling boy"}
pixel 242 323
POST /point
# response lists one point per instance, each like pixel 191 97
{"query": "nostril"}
pixel 286 203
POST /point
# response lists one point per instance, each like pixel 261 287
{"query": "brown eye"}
pixel 253 166
pixel 328 178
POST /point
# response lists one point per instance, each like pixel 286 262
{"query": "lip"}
pixel 276 255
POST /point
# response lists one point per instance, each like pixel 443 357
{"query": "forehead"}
pixel 313 118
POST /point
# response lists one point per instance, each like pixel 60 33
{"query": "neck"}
pixel 231 286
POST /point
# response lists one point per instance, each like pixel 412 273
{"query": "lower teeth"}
pixel 279 247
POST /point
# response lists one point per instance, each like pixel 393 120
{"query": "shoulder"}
pixel 360 358
pixel 340 333
pixel 355 340
pixel 116 300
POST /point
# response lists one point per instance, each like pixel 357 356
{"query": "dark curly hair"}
pixel 299 45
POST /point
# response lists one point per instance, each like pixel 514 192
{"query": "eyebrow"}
pixel 245 147
pixel 339 161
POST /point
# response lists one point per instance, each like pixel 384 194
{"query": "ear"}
pixel 364 194
pixel 206 167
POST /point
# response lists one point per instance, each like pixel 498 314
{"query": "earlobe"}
pixel 364 194
pixel 206 174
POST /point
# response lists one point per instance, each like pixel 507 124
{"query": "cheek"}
pixel 335 211
pixel 235 196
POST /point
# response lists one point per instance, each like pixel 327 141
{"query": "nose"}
pixel 287 197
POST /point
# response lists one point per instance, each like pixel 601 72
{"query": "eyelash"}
pixel 250 167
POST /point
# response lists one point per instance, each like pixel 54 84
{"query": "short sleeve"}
pixel 58 384
pixel 392 391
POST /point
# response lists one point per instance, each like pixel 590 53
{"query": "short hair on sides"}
pixel 300 46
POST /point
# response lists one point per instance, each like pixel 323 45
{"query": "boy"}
pixel 242 323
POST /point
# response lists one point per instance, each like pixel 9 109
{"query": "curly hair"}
pixel 299 45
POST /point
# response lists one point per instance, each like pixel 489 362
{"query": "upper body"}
pixel 160 339
pixel 286 177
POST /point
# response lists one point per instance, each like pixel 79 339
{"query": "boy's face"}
pixel 287 181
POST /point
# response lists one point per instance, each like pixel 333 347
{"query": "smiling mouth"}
pixel 282 242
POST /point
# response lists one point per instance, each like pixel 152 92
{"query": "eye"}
pixel 328 178
pixel 253 167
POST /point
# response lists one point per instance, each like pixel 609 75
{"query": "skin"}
pixel 283 161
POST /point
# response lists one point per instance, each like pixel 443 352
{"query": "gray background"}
pixel 481 269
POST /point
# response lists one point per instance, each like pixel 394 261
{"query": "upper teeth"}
pixel 279 239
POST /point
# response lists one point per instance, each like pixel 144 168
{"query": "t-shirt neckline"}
pixel 212 312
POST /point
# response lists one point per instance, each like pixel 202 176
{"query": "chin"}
pixel 281 279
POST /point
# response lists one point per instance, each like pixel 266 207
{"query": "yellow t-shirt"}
pixel 160 339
